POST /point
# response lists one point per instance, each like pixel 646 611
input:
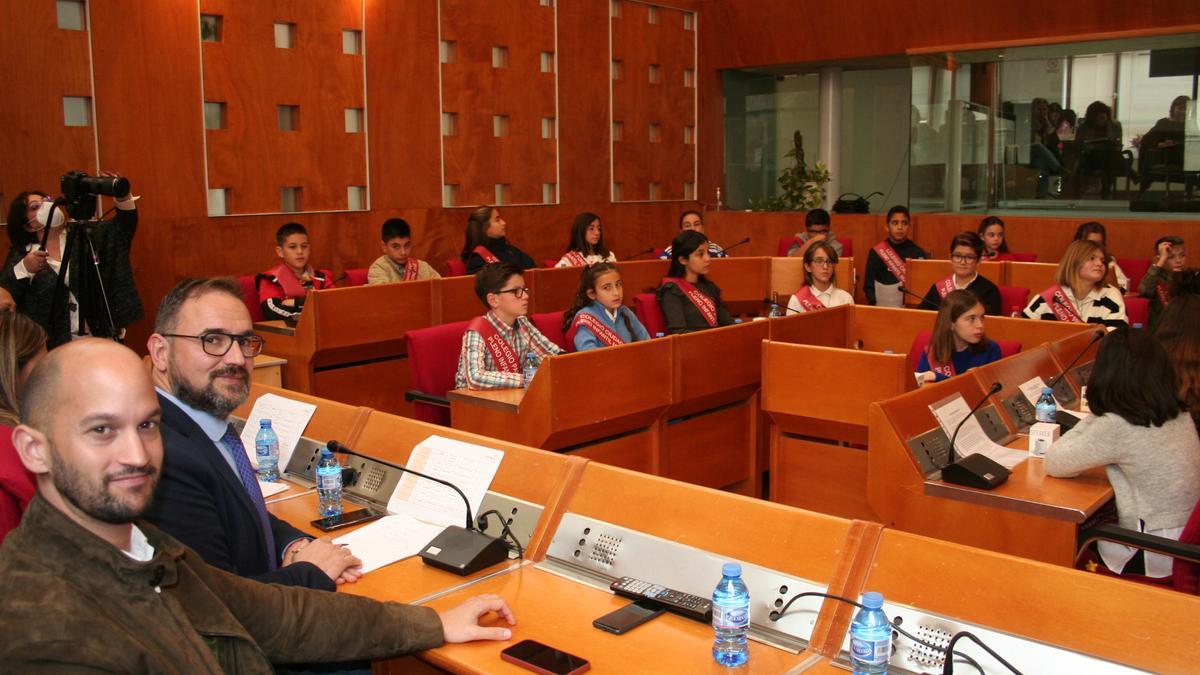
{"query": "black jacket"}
pixel 681 314
pixel 878 271
pixel 984 289
pixel 201 502
pixel 503 250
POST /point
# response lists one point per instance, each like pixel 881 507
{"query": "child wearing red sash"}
pixel 495 345
pixel 966 249
pixel 819 291
pixel 586 246
pixel 397 263
pixel 1170 257
pixel 817 224
pixel 598 318
pixel 1080 294
pixel 995 243
pixel 689 301
pixel 283 288
pixel 886 269
pixel 486 242
pixel 959 342
pixel 693 220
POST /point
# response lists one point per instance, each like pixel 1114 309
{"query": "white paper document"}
pixel 388 540
pixel 288 418
pixel 1033 391
pixel 972 438
pixel 471 467
pixel 269 489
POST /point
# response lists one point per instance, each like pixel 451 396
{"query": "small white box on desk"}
pixel 1041 436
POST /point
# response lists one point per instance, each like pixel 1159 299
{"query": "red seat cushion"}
pixel 549 263
pixel 1024 257
pixel 645 305
pixel 1138 310
pixel 1135 269
pixel 1008 347
pixel 1187 573
pixel 550 325
pixel 249 286
pixel 784 244
pixel 454 268
pixel 1013 299
pixel 356 277
pixel 432 362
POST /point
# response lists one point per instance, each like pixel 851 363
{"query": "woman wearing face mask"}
pixel 91 293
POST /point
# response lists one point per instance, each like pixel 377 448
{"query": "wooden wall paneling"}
pixel 637 102
pixel 252 156
pixel 475 91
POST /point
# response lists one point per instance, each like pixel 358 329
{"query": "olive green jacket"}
pixel 71 602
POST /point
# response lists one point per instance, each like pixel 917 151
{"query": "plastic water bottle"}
pixel 266 452
pixel 531 366
pixel 1137 326
pixel 1015 312
pixel 659 334
pixel 731 617
pixel 1045 409
pixel 774 312
pixel 329 485
pixel 870 637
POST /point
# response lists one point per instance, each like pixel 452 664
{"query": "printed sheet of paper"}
pixel 471 467
pixel 972 438
pixel 388 540
pixel 270 489
pixel 288 419
pixel 1033 391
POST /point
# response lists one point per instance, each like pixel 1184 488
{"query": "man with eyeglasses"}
pixel 209 498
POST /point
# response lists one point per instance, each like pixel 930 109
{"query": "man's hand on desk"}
pixel 461 623
pixel 335 560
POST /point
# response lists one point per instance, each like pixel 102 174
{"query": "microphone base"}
pixel 977 471
pixel 462 551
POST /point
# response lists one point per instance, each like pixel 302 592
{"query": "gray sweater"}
pixel 1154 471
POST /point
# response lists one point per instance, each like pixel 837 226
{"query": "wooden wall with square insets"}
pixel 499 82
pixel 286 91
pixel 653 101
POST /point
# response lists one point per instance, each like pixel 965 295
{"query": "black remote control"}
pixel 691 606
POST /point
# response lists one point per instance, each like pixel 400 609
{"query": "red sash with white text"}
pixel 606 335
pixel 945 286
pixel 1160 290
pixel 808 300
pixel 411 267
pixel 575 259
pixel 488 256
pixel 706 305
pixel 1061 305
pixel 894 262
pixel 945 370
pixel 502 353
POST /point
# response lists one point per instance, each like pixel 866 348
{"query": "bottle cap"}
pixel 326 452
pixel 872 600
pixel 264 423
pixel 731 569
pixel 1047 390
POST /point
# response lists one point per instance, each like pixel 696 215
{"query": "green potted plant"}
pixel 800 188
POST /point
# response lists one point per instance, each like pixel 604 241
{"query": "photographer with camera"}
pixel 95 294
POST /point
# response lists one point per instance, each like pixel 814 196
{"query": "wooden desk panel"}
pixel 924 273
pixel 1037 277
pixel 1032 332
pixel 454 300
pixel 828 327
pixel 743 283
pixel 716 366
pixel 1011 373
pixel 554 289
pixel 787 276
pixel 642 276
pixel 883 328
pixel 1113 619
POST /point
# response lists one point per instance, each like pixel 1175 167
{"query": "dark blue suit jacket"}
pixel 201 502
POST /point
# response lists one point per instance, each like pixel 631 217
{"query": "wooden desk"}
pixel 454 300
pixel 787 276
pixel 743 283
pixel 1037 277
pixel 268 370
pixel 554 289
pixel 828 327
pixel 924 273
pixel 604 404
pixel 640 276
pixel 1025 516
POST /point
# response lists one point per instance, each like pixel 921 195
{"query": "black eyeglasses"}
pixel 518 292
pixel 217 343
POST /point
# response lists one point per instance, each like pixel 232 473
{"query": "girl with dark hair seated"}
pixel 966 250
pixel 586 246
pixel 487 243
pixel 689 301
pixel 959 342
pixel 819 290
pixel 598 317
pixel 1141 433
pixel 995 242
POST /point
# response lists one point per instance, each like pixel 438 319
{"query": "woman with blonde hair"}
pixel 22 345
pixel 1080 294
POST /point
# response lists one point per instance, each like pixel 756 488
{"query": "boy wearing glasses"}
pixel 208 497
pixel 817 223
pixel 966 250
pixel 497 344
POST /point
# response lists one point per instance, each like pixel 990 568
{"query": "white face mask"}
pixel 44 213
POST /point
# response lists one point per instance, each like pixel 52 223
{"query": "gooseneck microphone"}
pixel 977 470
pixel 640 253
pixel 1096 337
pixel 924 302
pixel 456 549
pixel 730 248
pixel 782 305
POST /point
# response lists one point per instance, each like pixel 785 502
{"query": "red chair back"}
pixel 1013 299
pixel 432 362
pixel 1008 347
pixel 645 305
pixel 249 286
pixel 1024 257
pixel 356 277
pixel 921 341
pixel 1135 269
pixel 1186 573
pixel 550 325
pixel 454 267
pixel 658 253
pixel 1138 310
pixel 784 244
pixel 549 263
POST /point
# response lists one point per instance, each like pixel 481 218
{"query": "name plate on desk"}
pixel 594 552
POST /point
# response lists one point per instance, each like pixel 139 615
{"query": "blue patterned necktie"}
pixel 249 479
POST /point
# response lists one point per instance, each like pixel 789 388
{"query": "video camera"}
pixel 80 190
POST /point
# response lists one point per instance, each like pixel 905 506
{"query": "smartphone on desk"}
pixel 628 617
pixel 331 523
pixel 544 659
